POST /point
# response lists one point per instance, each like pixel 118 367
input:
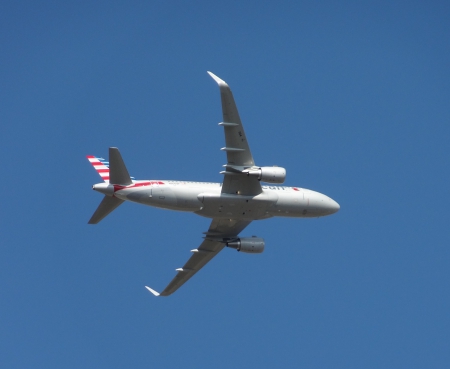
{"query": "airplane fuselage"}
pixel 232 205
pixel 206 199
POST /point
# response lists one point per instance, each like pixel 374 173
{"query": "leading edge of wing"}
pixel 210 247
pixel 201 256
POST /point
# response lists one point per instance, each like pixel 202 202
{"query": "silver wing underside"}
pixel 239 158
pixel 210 247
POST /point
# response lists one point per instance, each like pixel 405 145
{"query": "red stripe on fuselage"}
pixel 141 184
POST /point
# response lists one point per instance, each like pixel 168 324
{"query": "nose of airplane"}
pixel 334 206
pixel 321 205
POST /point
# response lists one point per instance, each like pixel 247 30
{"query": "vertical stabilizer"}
pixel 101 166
pixel 113 172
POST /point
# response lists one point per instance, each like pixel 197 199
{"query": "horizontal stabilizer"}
pixel 107 205
pixel 118 173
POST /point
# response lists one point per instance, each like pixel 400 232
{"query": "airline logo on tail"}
pixel 101 166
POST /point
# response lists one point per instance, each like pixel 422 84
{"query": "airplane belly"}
pixel 235 206
pixel 304 203
pixel 292 204
pixel 163 197
pixel 158 196
pixel 187 199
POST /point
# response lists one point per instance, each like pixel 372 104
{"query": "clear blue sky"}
pixel 351 97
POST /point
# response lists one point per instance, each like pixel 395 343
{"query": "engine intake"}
pixel 268 174
pixel 251 245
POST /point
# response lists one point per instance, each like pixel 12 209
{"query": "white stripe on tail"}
pixel 101 166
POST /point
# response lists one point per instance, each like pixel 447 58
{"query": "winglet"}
pixel 152 291
pixel 219 81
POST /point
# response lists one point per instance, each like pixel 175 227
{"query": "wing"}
pixel 239 156
pixel 210 247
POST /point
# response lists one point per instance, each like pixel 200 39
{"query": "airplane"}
pixel 232 205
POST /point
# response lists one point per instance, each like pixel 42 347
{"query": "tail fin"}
pixel 118 174
pixel 107 205
pixel 101 166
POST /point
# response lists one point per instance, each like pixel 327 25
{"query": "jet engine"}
pixel 251 245
pixel 268 174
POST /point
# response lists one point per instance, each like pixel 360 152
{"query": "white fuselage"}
pixel 206 199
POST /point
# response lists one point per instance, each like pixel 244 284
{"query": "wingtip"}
pixel 152 291
pixel 219 81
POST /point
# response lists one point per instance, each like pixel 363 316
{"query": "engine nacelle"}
pixel 251 245
pixel 269 174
